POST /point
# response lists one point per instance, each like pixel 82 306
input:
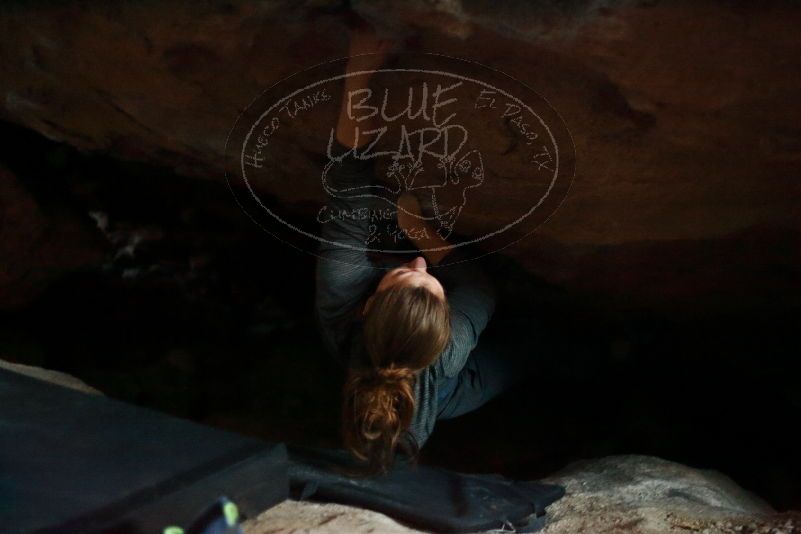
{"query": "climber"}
pixel 407 329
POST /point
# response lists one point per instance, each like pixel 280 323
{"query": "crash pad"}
pixel 422 496
pixel 73 462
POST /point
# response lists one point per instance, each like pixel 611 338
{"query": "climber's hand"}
pixel 413 224
pixel 410 214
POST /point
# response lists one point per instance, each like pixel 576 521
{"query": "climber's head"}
pixel 406 327
pixel 411 274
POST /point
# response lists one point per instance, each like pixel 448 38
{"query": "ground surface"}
pixel 632 494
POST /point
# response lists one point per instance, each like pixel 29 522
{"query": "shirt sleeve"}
pixel 344 273
pixel 471 298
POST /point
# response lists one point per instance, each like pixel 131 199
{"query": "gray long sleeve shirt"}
pixel 346 276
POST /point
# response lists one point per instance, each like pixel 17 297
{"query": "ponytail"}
pixel 378 408
pixel 405 330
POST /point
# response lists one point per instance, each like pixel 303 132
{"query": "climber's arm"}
pixel 348 178
pixel 356 126
pixel 419 232
pixel 344 273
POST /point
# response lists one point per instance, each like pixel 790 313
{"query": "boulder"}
pixel 645 494
pixel 683 116
pixel 294 516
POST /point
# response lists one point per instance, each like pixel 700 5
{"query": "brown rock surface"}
pixel 684 116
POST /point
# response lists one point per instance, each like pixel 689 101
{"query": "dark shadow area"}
pixel 197 312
